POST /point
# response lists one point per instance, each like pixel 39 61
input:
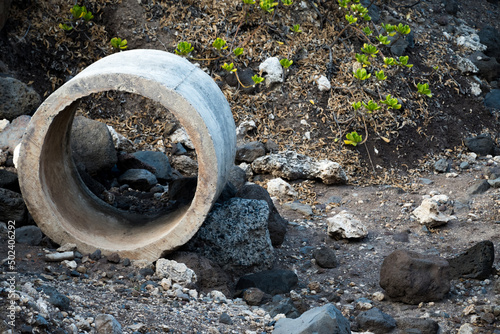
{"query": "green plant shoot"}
pixel 118 43
pixel 403 61
pixel 351 19
pixel 380 75
pixel 371 106
pixel 389 29
pixel 389 61
pixel 219 44
pixel 249 2
pixel 361 74
pixel 363 59
pixel 353 139
pixel 286 63
pixel 257 79
pixel 424 89
pixel 287 2
pixel 403 29
pixel 238 52
pixel 65 27
pixel 367 31
pixel 183 48
pixel 267 5
pixel 356 105
pixel 392 103
pixel 229 67
pixel 383 39
pixel 370 49
pixel 296 28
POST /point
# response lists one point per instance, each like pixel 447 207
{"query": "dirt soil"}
pixel 385 172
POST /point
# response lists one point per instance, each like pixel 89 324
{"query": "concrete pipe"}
pixel 64 208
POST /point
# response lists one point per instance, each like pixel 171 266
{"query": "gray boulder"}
pixel 185 165
pixel 276 224
pixel 107 324
pixel 326 319
pixel 158 160
pixel 488 67
pixel 476 262
pixel 482 144
pixel 490 37
pixel 92 145
pixel 237 177
pixel 12 207
pixel 235 236
pixel 492 99
pixel 292 166
pixel 325 257
pixel 139 179
pixel 13 133
pixel 29 235
pixel 9 180
pixel 376 321
pixel 273 282
pixel 412 278
pixel 248 152
pixel 423 326
pixel 16 98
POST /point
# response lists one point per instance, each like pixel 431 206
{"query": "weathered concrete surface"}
pixel 68 212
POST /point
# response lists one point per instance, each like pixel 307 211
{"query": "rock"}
pixel 277 226
pixel 451 7
pixel 376 321
pixel 466 329
pixel 9 180
pixel 325 257
pixel 29 235
pixel 476 262
pixel 488 67
pixel 373 10
pixel 129 161
pixel 179 149
pixel 430 212
pixel 442 166
pixel 276 281
pixel 492 99
pixel 139 179
pixel 304 209
pixel 225 319
pixel 16 98
pixel 293 166
pixel 58 256
pixel 272 67
pixel 12 207
pixel 237 177
pixel 465 65
pixel 235 235
pixel 323 83
pixel 271 146
pixel 490 37
pixel 479 187
pixel 245 75
pixel 326 319
pixel 243 129
pixel 92 145
pixel 158 160
pixel 482 144
pixel 177 272
pixel 182 190
pixel 412 278
pixel 185 165
pixel 55 298
pixel 344 226
pixel 471 42
pixel 228 192
pixel 423 326
pixel 253 296
pixel 121 142
pixel 250 151
pixel 96 255
pixel 280 188
pixel 113 258
pixel 107 324
pixel 13 133
pixel 398 47
pixel 495 183
pixel 180 136
pixel 209 275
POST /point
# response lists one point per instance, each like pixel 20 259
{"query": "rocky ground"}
pixel 417 153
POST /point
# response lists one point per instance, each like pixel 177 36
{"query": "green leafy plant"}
pixel 183 48
pixel 287 2
pixel 367 31
pixel 257 79
pixel 353 139
pixel 361 74
pixel 249 2
pixel 403 61
pixel 267 5
pixel 380 75
pixel 424 89
pixel 362 58
pixel 369 49
pixel 219 44
pixel 356 105
pixel 351 19
pixel 229 67
pixel 389 29
pixel 65 27
pixel 392 103
pixel 238 52
pixel 77 12
pixel 118 43
pixel 389 61
pixel 286 63
pixel 403 29
pixel 296 28
pixel 371 106
pixel 383 39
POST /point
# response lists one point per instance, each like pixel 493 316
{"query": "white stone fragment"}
pixel 218 296
pixel 465 65
pixel 16 154
pixel 177 272
pixel 119 141
pixel 428 212
pixel 280 188
pixel 180 136
pixel 244 128
pixel 3 124
pixel 323 83
pixel 274 70
pixel 344 225
pixel 475 89
pixel 472 42
pixel 60 256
